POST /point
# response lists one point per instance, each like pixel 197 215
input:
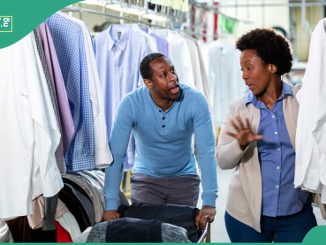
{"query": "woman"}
pixel 257 140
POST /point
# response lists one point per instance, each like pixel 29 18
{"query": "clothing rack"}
pixel 215 10
pixel 292 4
pixel 135 11
pixel 122 16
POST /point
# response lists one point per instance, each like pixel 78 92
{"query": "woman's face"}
pixel 255 72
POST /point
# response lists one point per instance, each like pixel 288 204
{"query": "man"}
pixel 163 116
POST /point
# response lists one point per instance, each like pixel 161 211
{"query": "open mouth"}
pixel 175 89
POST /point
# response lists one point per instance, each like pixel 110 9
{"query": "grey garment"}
pixel 5 235
pixel 50 208
pixel 96 175
pixel 80 201
pixel 95 184
pixel 59 154
pixel 82 238
pixel 173 233
pixel 92 176
pixel 92 192
pixel 183 190
pixel 100 175
pixel 98 232
pixel 169 233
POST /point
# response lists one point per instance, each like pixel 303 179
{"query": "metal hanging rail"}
pixel 215 9
pixel 122 17
pixel 274 4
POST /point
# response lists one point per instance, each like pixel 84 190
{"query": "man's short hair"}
pixel 145 69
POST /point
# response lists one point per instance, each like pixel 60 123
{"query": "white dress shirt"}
pixel 224 76
pixel 198 70
pixel 180 56
pixel 29 132
pixel 310 171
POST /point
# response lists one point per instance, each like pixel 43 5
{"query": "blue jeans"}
pixel 291 228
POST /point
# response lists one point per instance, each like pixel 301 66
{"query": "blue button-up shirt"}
pixel 119 51
pixel 69 43
pixel 277 158
pixel 162 43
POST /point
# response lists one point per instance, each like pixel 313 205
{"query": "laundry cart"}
pixel 141 223
pixel 179 215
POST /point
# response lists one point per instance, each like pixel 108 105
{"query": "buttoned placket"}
pixel 117 74
pixel 163 120
pixel 278 167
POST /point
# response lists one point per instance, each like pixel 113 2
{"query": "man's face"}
pixel 164 83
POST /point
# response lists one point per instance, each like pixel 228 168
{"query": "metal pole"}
pixel 291 4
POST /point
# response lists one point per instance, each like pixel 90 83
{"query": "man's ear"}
pixel 148 83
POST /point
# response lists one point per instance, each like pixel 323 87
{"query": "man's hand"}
pixel 243 134
pixel 110 215
pixel 206 214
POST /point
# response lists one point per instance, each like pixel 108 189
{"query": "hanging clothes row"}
pixel 224 75
pixel 213 68
pixel 310 171
pixel 30 132
pixel 56 112
pixel 119 50
pixel 89 146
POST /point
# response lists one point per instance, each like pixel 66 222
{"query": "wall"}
pixel 267 13
pixel 259 13
pixel 301 32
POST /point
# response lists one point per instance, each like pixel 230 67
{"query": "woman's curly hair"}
pixel 272 48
